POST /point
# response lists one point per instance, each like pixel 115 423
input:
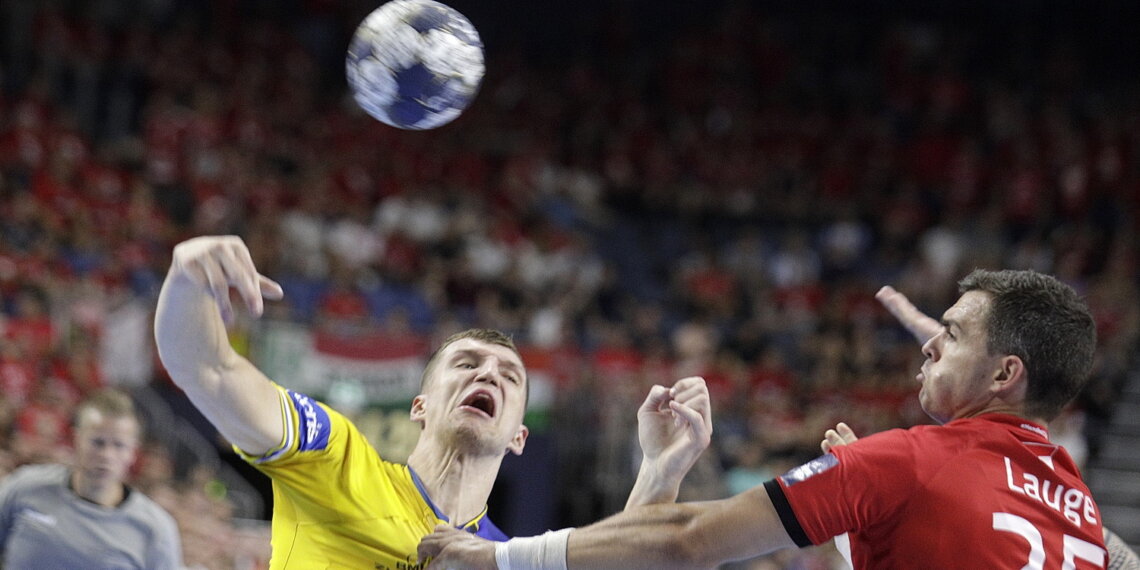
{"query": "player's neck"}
pixel 1006 410
pixel 109 494
pixel 458 484
pixel 1009 402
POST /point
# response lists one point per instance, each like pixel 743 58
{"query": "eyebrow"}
pixel 471 353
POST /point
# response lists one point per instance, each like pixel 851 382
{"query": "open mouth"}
pixel 480 400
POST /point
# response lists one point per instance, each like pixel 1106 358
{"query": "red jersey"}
pixel 984 492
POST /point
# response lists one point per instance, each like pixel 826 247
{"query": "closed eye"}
pixel 946 326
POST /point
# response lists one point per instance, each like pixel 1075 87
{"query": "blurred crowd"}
pixel 723 199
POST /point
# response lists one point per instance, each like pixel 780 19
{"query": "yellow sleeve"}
pixel 320 463
pixel 335 500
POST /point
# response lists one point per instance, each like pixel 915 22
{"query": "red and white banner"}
pixel 373 369
pixel 378 369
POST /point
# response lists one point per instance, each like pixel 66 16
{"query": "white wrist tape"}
pixel 543 552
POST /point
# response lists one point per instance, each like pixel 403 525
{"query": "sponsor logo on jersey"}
pixel 813 467
pixel 313 423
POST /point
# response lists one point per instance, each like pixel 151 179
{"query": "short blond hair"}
pixel 111 403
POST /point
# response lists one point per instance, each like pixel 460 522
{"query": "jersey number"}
pixel 1073 547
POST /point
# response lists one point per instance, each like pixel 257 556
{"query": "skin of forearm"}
pixel 190 335
pixel 643 537
pixel 227 389
pixel 685 535
pixel 649 489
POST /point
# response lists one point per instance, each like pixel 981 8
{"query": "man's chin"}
pixel 939 418
pixel 100 476
pixel 925 405
pixel 470 439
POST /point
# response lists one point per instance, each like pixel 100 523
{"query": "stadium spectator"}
pixel 54 515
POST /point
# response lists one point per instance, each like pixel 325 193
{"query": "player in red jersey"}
pixel 923 328
pixel 1120 555
pixel 984 490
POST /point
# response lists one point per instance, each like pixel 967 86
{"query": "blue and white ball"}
pixel 415 64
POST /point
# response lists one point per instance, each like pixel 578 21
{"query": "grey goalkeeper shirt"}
pixel 45 525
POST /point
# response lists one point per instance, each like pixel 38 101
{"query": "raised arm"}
pixel 676 535
pixel 921 326
pixel 674 426
pixel 190 331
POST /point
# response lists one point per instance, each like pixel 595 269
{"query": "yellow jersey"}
pixel 337 503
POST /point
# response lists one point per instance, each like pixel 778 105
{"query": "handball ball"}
pixel 415 64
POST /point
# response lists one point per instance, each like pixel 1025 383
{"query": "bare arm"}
pixel 194 347
pixel 920 325
pixel 684 535
pixel 674 427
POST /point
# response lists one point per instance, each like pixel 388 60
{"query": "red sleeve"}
pixel 850 489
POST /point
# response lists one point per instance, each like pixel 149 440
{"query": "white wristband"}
pixel 544 552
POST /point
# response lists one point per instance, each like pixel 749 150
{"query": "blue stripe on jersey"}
pixel 481 526
pixel 312 423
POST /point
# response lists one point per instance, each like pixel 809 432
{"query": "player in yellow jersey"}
pixel 337 502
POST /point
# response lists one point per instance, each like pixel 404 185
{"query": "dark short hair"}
pixel 1045 323
pixel 490 336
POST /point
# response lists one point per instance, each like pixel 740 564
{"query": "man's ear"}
pixel 518 442
pixel 418 410
pixel 1011 374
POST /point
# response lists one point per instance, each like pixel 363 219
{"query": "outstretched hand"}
pixel 218 263
pixel 921 326
pixel 449 547
pixel 674 426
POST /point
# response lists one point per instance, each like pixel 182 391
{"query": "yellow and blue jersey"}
pixel 337 503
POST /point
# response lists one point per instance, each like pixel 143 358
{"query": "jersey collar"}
pixel 470 526
pixel 1038 431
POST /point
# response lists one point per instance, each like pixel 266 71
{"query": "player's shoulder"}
pixel 42 470
pixel 314 421
pixel 37 475
pixel 937 445
pixel 317 430
pixel 898 437
pixel 148 509
pixel 960 431
pixel 890 451
pixel 906 445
